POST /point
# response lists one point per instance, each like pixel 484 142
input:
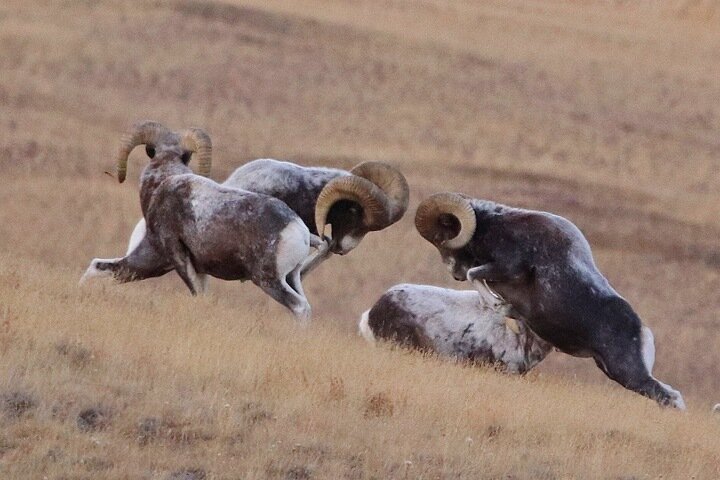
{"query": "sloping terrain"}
pixel 606 114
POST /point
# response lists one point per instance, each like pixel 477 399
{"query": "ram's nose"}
pixel 338 251
pixel 336 248
pixel 345 244
pixel 458 277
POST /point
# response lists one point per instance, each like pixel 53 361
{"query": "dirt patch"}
pixel 191 474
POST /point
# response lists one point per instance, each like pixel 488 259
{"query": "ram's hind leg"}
pixel 101 267
pixel 286 287
pixel 629 362
pixel 284 294
pixel 294 280
pixel 183 263
pixel 141 263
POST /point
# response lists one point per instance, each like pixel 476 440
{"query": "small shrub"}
pixel 379 405
pixel 16 404
pixel 93 419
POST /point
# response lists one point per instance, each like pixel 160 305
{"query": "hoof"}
pixel 96 271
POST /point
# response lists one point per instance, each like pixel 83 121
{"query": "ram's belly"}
pixel 225 268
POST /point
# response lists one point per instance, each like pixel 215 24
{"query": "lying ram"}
pixel 454 323
pixel 198 227
pixel 542 265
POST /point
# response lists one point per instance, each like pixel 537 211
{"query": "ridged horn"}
pixel 390 181
pixel 430 213
pixel 376 212
pixel 197 141
pixel 143 133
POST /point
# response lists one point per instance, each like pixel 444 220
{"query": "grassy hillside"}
pixel 606 114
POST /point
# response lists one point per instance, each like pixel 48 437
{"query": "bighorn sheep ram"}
pixel 370 197
pixel 454 323
pixel 542 265
pixel 198 227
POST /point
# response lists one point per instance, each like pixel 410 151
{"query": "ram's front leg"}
pixel 321 254
pixel 497 273
pixel 316 241
pixel 488 297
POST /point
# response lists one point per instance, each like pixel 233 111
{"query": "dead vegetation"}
pixel 605 113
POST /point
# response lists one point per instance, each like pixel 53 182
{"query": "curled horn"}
pixel 391 182
pixel 197 141
pixel 143 133
pixel 434 220
pixel 376 212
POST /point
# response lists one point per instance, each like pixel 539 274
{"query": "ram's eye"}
pixel 185 157
pixel 150 150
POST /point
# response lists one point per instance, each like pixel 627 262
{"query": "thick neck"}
pixel 615 308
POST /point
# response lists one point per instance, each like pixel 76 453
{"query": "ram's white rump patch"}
pixel 364 327
pixel 647 344
pixel 293 247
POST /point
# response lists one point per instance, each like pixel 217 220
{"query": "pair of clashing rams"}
pixel 266 223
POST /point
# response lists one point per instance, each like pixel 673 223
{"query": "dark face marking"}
pixel 458 262
pixel 346 219
pixel 449 226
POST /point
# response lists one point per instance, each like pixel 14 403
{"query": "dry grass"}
pixel 604 113
pixel 126 384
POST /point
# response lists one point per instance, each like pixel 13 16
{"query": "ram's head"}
pixel 373 197
pixel 447 220
pixel 166 145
